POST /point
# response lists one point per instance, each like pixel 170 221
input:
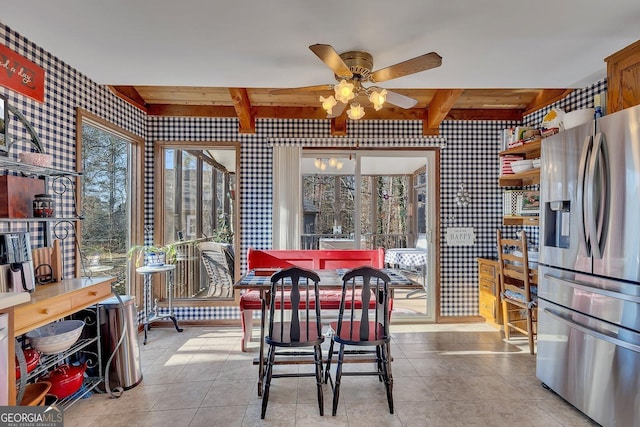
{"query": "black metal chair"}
pixel 363 328
pixel 294 295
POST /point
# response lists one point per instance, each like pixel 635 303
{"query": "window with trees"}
pixel 365 194
pixel 107 157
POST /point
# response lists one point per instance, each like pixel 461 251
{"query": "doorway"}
pixel 371 199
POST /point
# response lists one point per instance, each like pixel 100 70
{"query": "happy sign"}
pixel 20 74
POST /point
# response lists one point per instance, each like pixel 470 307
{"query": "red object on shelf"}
pixel 65 380
pixel 32 357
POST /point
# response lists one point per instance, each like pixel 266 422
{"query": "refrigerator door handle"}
pixel 592 332
pixel 585 241
pixel 577 285
pixel 598 195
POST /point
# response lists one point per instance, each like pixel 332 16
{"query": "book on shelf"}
pixel 510 202
pixel 528 203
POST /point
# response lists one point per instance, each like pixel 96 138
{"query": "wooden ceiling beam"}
pixel 440 105
pixel 544 98
pixel 485 114
pixel 130 95
pixel 191 110
pixel 339 125
pixel 271 112
pixel 246 119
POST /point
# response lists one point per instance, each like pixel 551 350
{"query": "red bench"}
pixel 310 259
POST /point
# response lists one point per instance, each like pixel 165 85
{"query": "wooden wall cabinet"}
pixel 623 78
pixel 489 291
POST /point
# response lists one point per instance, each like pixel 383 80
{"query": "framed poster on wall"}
pixel 21 75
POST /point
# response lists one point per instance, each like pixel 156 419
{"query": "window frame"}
pixel 158 208
pixel 136 219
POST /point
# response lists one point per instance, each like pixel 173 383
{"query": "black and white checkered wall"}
pixel 55 122
pixel 469 157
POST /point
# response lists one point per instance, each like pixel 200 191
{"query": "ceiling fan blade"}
pixel 329 56
pixel 337 110
pixel 401 101
pixel 294 90
pixel 410 66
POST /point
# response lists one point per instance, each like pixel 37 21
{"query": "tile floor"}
pixel 444 375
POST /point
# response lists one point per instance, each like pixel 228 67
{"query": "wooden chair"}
pixel 363 328
pixel 304 329
pixel 519 297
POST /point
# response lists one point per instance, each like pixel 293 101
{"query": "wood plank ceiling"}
pixel 249 104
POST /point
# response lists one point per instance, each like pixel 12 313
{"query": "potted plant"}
pixel 222 233
pixel 153 255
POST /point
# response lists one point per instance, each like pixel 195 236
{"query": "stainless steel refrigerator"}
pixel 589 268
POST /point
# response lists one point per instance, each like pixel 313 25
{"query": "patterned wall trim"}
pixel 347 142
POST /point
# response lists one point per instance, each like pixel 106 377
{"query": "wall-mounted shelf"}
pixel 522 179
pixel 530 150
pixel 64 180
pixel 53 219
pixel 521 220
pixel 10 163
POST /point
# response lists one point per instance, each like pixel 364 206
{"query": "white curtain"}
pixel 287 196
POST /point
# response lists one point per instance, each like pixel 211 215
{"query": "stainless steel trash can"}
pixel 125 369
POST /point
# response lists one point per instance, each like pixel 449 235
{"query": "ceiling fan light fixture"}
pixel 378 98
pixel 344 91
pixel 328 103
pixel 355 112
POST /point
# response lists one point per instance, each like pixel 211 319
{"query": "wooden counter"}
pixel 9 299
pixel 56 300
pixel 52 302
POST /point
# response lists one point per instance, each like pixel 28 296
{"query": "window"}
pixel 195 201
pixel 366 194
pixel 108 191
pixel 197 197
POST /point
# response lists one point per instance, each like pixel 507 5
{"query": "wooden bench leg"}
pixel 246 318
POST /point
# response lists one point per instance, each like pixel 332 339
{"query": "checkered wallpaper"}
pixel 54 120
pixel 469 156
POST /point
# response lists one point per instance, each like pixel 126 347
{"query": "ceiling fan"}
pixel 352 69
